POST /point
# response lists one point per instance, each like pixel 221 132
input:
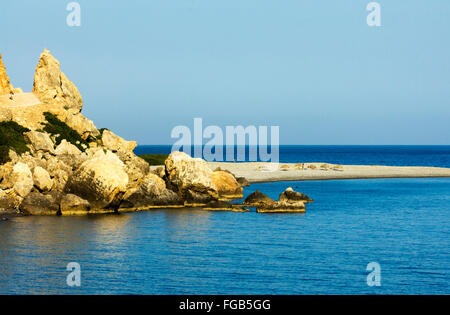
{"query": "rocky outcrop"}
pixel 258 199
pixel 5 85
pixel 243 181
pixel 291 196
pixel 62 165
pixel 190 178
pixel 288 202
pixel 227 185
pixel 36 203
pixel 52 86
pixel 74 205
pixel 101 180
pixel 151 192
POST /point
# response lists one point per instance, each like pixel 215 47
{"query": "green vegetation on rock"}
pixel 12 137
pixel 61 130
pixel 154 159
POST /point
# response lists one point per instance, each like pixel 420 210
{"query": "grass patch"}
pixel 154 159
pixel 12 137
pixel 61 130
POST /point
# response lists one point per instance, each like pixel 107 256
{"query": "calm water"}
pixel 350 154
pixel 403 224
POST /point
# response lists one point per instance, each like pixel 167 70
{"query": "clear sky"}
pixel 314 68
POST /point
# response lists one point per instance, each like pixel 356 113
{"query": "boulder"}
pixel 52 86
pixel 74 205
pixel 42 179
pixel 40 141
pixel 5 85
pixel 190 178
pixel 258 199
pixel 82 125
pixel 227 185
pixel 36 203
pixel 20 179
pixel 7 203
pixel 66 147
pixel 282 207
pixel 115 143
pixel 291 196
pixel 243 181
pixel 135 167
pixel 151 191
pixel 100 180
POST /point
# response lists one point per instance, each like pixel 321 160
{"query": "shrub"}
pixel 12 137
pixel 61 130
pixel 154 159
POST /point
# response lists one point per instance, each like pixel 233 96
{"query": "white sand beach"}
pixel 256 172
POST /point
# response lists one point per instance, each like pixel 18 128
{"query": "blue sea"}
pixel 401 224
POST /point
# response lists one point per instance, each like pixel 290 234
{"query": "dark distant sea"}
pixel 401 224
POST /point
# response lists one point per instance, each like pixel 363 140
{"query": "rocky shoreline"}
pixel 54 161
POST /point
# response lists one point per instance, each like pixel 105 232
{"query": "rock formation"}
pixel 5 85
pixel 54 161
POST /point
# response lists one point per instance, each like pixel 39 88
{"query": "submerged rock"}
pixel 223 206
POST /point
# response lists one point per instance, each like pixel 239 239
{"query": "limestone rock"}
pixel 5 86
pixel 39 204
pixel 291 196
pixel 258 199
pixel 115 143
pixel 227 185
pixel 191 178
pixel 81 124
pixel 7 203
pixel 100 180
pixel 74 205
pixel 243 181
pixel 20 179
pixel 151 191
pixel 223 206
pixel 51 85
pixel 42 179
pixel 135 167
pixel 5 114
pixel 66 147
pixel 40 141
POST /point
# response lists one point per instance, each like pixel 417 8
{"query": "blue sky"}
pixel 314 68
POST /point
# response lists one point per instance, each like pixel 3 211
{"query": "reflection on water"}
pixel 180 251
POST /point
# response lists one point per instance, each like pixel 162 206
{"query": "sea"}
pixel 376 236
